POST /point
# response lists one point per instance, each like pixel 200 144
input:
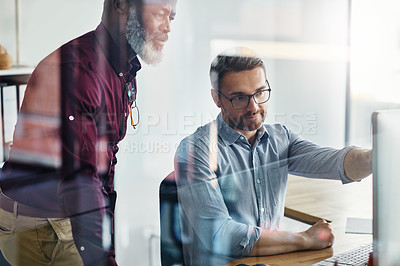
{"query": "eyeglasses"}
pixel 243 101
pixel 132 106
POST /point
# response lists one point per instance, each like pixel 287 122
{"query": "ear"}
pixel 120 6
pixel 216 98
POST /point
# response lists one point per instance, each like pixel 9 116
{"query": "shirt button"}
pixel 262 209
pixel 121 74
pixel 258 181
pixel 82 248
pixel 71 118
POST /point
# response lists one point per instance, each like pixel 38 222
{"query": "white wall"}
pixel 7 26
pixel 302 41
pixel 45 25
pixel 375 64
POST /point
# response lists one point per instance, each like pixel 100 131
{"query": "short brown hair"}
pixel 233 60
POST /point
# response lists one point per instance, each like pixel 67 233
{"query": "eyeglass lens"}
pixel 134 114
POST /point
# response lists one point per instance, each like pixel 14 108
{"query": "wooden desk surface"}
pixel 329 200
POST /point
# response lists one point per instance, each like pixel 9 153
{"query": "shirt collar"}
pixel 262 133
pixel 229 135
pixel 116 56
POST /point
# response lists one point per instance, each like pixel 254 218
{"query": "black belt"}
pixel 9 204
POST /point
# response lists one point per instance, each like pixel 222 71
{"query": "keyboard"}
pixel 358 257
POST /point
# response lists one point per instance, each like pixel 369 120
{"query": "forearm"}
pixel 89 235
pixel 318 236
pixel 277 242
pixel 86 207
pixel 358 163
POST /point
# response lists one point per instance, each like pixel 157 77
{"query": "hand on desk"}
pixel 319 236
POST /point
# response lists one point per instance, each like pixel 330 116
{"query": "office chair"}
pixel 170 226
pixel 2 259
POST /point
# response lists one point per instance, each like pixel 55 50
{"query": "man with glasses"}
pixel 57 188
pixel 231 173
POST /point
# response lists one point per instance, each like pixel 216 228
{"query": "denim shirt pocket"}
pixel 277 179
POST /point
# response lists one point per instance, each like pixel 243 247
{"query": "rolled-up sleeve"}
pixel 202 203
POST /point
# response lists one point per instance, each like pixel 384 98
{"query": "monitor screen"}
pixel 386 187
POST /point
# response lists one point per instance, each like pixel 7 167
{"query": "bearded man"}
pixel 57 197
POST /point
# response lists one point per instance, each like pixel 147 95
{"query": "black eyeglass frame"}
pixel 249 96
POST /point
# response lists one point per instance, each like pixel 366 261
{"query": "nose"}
pixel 253 106
pixel 166 25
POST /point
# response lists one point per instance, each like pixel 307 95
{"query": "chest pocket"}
pixel 235 186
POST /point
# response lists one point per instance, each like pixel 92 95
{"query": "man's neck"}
pixel 250 135
pixel 120 40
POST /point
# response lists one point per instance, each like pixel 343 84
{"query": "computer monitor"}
pixel 386 187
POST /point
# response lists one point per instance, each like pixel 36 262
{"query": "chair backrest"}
pixel 170 226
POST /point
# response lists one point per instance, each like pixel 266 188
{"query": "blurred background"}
pixel 330 65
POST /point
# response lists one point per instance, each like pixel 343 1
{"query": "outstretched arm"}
pixel 358 163
pixel 318 236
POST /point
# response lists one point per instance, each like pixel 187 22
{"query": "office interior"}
pixel 330 64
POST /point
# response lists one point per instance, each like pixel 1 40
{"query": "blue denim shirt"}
pixel 229 190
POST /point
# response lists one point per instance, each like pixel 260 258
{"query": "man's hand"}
pixel 319 236
pixel 358 164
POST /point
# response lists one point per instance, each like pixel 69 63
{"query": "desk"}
pixel 330 200
pixel 16 75
pixel 13 77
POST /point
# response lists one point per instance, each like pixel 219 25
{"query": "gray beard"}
pixel 140 42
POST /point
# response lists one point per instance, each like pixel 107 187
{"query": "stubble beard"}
pixel 141 42
pixel 240 122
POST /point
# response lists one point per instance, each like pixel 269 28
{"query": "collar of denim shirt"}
pixel 230 136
